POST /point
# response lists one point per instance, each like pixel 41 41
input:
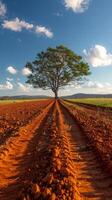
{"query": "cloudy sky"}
pixel 30 26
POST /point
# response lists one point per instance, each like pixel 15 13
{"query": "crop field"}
pixel 54 150
pixel 106 102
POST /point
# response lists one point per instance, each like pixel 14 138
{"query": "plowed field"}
pixel 51 150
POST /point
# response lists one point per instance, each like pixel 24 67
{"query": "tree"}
pixel 55 68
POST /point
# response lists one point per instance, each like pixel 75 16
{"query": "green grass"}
pixel 18 101
pixel 107 102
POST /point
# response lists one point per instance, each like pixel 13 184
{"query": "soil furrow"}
pixel 103 112
pixel 52 159
pixel 91 180
pixel 15 157
pixel 15 116
pixel 49 175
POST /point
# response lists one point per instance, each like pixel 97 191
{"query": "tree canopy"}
pixel 55 68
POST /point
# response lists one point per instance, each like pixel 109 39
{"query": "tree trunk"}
pixel 56 94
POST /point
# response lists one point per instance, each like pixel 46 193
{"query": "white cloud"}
pixel 89 84
pixel 3 9
pixel 24 87
pixel 77 5
pixel 9 79
pixel 44 31
pixel 106 88
pixel 93 84
pixel 7 86
pixel 16 25
pixel 96 87
pixel 98 56
pixel 26 72
pixel 11 70
pixel 89 87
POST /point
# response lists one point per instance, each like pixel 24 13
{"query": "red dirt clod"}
pixel 35 189
pixel 49 178
pixel 47 192
pixel 52 197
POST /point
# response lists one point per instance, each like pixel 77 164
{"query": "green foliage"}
pixel 55 68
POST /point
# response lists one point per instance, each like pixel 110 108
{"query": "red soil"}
pixel 13 116
pixel 98 128
pixel 52 158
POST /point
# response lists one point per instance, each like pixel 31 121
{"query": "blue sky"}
pixel 30 26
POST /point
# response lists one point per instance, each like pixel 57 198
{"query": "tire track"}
pixel 15 157
pixel 50 172
pixel 91 181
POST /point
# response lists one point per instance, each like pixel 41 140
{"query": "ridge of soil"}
pixel 54 158
pixel 14 157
